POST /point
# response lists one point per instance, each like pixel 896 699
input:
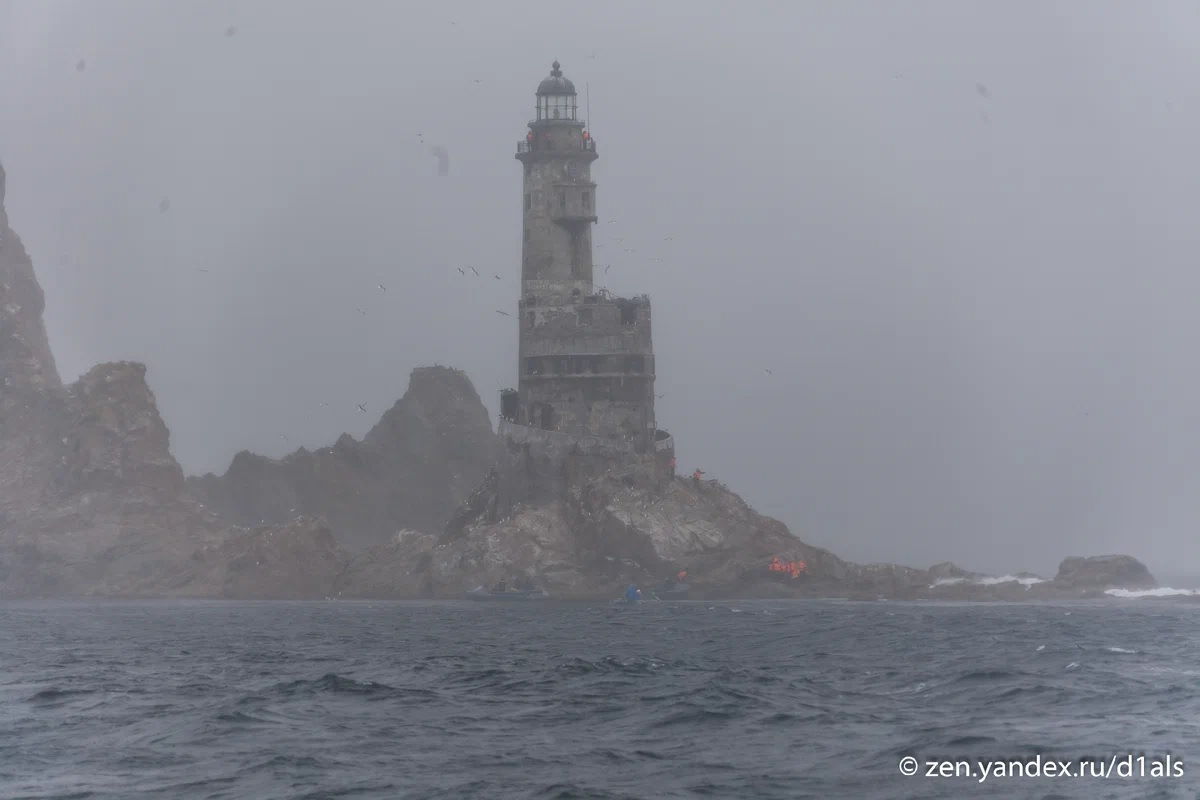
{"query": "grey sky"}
pixel 978 307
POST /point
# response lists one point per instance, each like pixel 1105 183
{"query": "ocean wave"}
pixel 988 580
pixel 1162 591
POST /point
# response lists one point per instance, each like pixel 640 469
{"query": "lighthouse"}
pixel 585 373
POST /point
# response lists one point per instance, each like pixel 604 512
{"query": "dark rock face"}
pixel 1104 572
pixel 411 471
pixel 610 527
pixel 298 561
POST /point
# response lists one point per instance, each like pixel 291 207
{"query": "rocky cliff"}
pixel 411 471
pixel 93 503
pixel 91 500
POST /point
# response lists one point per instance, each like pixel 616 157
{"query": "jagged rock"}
pixel 1104 572
pixel 619 526
pixel 411 471
pixel 399 569
pixel 300 560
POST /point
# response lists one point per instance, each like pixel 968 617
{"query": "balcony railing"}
pixel 526 146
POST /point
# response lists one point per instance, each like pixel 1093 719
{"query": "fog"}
pixel 961 236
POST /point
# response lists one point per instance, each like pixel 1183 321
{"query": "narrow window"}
pixel 587 201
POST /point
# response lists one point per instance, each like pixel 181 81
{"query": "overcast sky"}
pixel 962 236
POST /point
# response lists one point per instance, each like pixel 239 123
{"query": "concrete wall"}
pixel 559 207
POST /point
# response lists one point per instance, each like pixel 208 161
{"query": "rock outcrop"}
pixel 1098 573
pixel 411 471
pixel 298 561
pixel 93 503
pixel 614 527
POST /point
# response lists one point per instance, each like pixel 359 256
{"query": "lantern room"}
pixel 556 97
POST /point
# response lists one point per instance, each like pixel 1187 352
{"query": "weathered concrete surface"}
pixel 411 471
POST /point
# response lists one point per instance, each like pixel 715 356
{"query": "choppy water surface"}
pixel 775 700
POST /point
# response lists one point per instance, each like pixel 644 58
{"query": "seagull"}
pixel 359 310
pixel 81 66
pixel 281 436
pixel 473 270
pixel 384 288
pixel 612 222
pixel 630 250
pixel 460 269
pixel 660 396
pixel 669 238
pixel 499 278
pixel 230 31
pixel 768 371
pixel 656 259
pixel 505 313
pixel 362 407
pixel 201 270
pixel 607 267
pixel 982 90
pixel 322 404
pixel 477 80
pixel 164 204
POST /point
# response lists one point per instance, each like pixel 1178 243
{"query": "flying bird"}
pixel 505 313
pixel 362 407
pixel 359 310
pixel 474 270
pixel 612 222
pixel 660 396
pixel 768 371
pixel 477 80
pixel 201 270
pixel 281 436
pixel 164 204
pixel 982 90
pixel 231 31
pixel 669 238
pixel 607 267
pixel 460 269
pixel 81 66
pixel 384 288
pixel 499 278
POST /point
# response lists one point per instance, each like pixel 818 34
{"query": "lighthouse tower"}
pixel 586 360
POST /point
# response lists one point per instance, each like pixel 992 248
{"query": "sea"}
pixel 772 699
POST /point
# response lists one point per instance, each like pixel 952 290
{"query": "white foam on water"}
pixel 987 581
pixel 1119 650
pixel 1040 648
pixel 1162 591
pixel 1026 582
